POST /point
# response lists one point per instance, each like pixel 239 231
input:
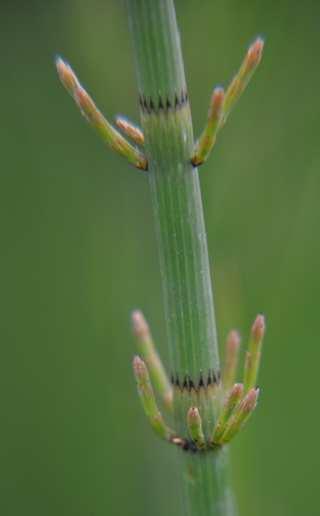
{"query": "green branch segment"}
pixel 148 399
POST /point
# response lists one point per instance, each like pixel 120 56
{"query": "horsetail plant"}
pixel 206 409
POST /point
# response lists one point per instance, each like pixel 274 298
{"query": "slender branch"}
pixel 222 103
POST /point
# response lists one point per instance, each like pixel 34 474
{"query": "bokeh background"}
pixel 78 253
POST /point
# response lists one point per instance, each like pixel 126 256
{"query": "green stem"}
pixel 178 214
pixel 175 188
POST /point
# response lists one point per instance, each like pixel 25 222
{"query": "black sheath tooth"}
pixel 160 103
pixel 177 381
pixel 201 382
pixel 145 104
pixel 183 98
pixel 214 377
pixel 168 104
pixel 189 382
pixel 191 385
pixel 185 382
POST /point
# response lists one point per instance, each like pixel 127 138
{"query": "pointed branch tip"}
pixel 140 325
pixel 233 340
pixel 255 51
pixel 217 99
pixel 194 422
pixel 258 328
pixel 66 75
pixel 236 391
pixel 250 400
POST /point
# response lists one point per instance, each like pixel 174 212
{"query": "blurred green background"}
pixel 78 253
